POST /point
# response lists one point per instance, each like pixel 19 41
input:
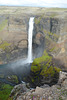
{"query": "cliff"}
pixel 54 37
pixel 45 92
pixel 49 32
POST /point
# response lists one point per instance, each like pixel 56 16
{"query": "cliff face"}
pixel 55 34
pixel 13 37
pixel 49 32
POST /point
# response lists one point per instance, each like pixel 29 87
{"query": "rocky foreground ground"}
pixel 45 92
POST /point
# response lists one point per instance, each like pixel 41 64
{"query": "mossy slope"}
pixel 43 67
pixel 5 90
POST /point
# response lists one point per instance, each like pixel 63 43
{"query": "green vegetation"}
pixel 8 56
pixel 53 15
pixel 1 75
pixel 39 63
pixel 52 49
pixel 3 24
pixel 51 36
pixel 12 78
pixel 37 20
pixel 60 98
pixel 43 66
pixel 4 45
pixel 32 80
pixel 5 90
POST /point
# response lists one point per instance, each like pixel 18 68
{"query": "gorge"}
pixel 32 49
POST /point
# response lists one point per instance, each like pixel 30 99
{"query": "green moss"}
pixel 38 63
pixel 48 72
pixel 8 56
pixel 3 24
pixel 52 49
pixel 43 66
pixel 15 78
pixel 4 45
pixel 53 15
pixel 32 80
pixel 5 90
pixel 12 78
pixel 1 75
pixel 58 88
pixel 60 98
pixel 51 36
pixel 10 98
pixel 35 68
pixel 57 69
pixel 37 20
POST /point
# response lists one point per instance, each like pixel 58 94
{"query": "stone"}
pixel 39 91
pixel 45 86
pixel 21 88
pixel 64 84
pixel 54 92
pixel 23 44
pixel 62 77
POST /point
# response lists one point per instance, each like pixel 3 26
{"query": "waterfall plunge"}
pixel 29 58
pixel 30 34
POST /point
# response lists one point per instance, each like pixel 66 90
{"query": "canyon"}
pixel 50 33
pixel 33 52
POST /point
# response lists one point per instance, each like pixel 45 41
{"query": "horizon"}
pixel 35 3
pixel 31 6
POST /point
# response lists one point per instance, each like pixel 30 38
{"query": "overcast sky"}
pixel 41 3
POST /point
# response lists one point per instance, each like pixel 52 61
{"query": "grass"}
pixel 37 20
pixel 60 98
pixel 44 66
pixel 4 45
pixel 38 62
pixel 3 24
pixel 12 78
pixel 1 75
pixel 5 90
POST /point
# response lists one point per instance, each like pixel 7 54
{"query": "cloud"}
pixel 44 3
pixel 9 2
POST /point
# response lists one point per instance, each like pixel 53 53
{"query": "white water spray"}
pixel 30 34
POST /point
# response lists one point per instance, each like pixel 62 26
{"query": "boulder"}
pixel 21 88
pixel 62 78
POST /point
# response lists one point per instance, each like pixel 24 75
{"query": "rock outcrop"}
pixel 55 92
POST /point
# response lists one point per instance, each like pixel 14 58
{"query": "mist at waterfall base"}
pixel 20 68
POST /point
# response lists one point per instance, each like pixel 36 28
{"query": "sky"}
pixel 37 3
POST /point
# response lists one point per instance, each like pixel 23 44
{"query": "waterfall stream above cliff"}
pixel 30 33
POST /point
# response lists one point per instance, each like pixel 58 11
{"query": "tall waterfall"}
pixel 30 34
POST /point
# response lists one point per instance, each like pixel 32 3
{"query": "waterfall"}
pixel 29 58
pixel 30 34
